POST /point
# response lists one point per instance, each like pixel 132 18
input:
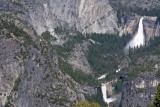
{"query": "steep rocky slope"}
pixel 78 57
pixel 140 91
pixel 130 4
pixel 60 68
pixel 129 25
pixel 85 16
pixel 30 74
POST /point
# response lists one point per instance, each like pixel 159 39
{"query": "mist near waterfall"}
pixel 138 40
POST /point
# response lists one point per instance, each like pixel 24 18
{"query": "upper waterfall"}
pixel 138 40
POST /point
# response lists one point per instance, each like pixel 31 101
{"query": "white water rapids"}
pixel 102 77
pixel 138 40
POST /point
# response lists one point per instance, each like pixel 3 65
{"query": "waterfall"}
pixel 104 93
pixel 138 40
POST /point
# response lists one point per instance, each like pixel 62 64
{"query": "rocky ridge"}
pixel 30 72
pixel 31 75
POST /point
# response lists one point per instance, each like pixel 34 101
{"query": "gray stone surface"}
pixel 30 75
pixel 78 58
pixel 83 15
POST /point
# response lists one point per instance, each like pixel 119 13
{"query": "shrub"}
pixel 46 35
pixel 87 104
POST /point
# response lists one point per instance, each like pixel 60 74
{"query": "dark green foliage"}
pixel 105 56
pixel 15 88
pixel 86 104
pixel 18 32
pixel 158 74
pixel 77 75
pixel 118 86
pixel 156 100
pixel 125 8
pixel 16 84
pixel 72 41
pixel 61 31
pixel 97 98
pixel 153 48
pixel 148 65
pixel 46 35
pixel 143 12
pixel 7 104
pixel 68 47
pixel 8 35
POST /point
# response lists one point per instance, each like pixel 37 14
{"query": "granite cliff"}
pixel 59 68
pixel 85 16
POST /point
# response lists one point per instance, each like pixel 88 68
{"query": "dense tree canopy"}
pixel 156 101
pixel 87 104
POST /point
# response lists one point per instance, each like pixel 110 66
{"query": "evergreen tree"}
pixel 87 104
pixel 156 101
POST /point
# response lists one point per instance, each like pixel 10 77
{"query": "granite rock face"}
pixel 30 75
pixel 44 85
pixel 11 68
pixel 129 25
pixel 140 91
pixel 143 4
pixel 86 16
pixel 78 57
pixel 83 15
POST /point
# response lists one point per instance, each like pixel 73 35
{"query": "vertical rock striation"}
pixel 86 16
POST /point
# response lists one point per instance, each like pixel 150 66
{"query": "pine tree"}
pixel 87 104
pixel 156 101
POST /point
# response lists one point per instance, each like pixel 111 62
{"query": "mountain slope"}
pixel 53 52
pixel 84 16
pixel 30 72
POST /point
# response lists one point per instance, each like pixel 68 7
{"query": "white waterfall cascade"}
pixel 138 40
pixel 118 70
pixel 102 77
pixel 104 93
